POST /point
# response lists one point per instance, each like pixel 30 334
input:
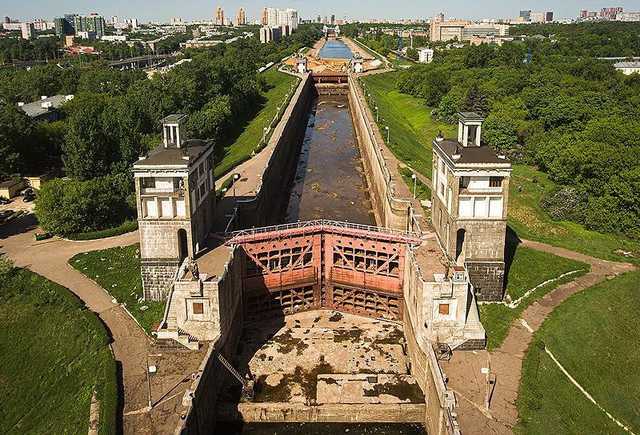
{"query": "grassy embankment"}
pixel 54 354
pixel 529 269
pixel 249 134
pixel 412 131
pixel 117 270
pixel 411 128
pixel 594 336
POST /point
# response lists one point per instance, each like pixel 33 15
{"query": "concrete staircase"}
pixel 169 329
pixel 180 336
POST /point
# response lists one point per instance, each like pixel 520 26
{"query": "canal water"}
pixel 329 182
pixel 334 49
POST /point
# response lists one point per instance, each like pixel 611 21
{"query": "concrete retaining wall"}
pixel 200 417
pixel 390 211
pixel 440 403
pixel 328 413
pixel 268 206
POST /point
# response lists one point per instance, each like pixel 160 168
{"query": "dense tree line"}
pixel 18 49
pixel 570 114
pixel 115 117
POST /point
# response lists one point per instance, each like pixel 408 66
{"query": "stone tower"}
pixel 175 201
pixel 469 212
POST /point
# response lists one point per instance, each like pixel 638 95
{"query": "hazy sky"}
pixel 146 10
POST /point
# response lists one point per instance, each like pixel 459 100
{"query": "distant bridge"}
pixel 148 61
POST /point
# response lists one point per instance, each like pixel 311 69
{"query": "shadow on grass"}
pixel 512 241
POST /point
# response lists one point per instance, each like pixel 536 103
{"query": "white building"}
pixel 628 68
pixel 27 31
pixel 425 55
pixel 282 17
pixel 269 34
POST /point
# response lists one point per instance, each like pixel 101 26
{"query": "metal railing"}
pixel 319 224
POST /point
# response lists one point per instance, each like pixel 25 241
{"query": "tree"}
pixel 412 53
pixel 476 101
pixel 72 206
pixel 16 135
pixel 89 148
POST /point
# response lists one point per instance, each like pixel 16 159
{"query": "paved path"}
pixel 131 346
pixel 506 362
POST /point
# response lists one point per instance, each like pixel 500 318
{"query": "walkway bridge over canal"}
pixel 347 267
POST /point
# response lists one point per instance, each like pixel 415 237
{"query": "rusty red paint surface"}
pixel 350 270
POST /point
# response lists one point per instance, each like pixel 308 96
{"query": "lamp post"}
pixel 388 133
pixel 235 178
pixel 415 181
pixel 377 114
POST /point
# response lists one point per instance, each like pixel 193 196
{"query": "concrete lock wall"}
pixel 267 207
pixel 439 402
pixel 390 211
pixel 202 396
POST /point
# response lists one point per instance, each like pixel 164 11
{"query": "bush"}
pixel 126 227
pixel 67 207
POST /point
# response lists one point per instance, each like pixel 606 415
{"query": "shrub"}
pixel 67 207
pixel 126 227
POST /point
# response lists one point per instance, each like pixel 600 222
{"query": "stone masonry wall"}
pixel 487 278
pixel 157 276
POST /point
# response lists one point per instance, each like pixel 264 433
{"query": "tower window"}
pixel 495 181
pixel 443 309
pixel 198 308
pixel 464 182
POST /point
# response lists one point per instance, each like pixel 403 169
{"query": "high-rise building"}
pixel 64 25
pixel 264 17
pixel 282 17
pixel 525 15
pixel 92 23
pixel 333 19
pixel 610 13
pixel 241 17
pixel 219 16
pixel 27 31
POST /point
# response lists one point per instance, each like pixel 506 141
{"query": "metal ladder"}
pixel 247 385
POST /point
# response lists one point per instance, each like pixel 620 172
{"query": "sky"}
pixel 162 10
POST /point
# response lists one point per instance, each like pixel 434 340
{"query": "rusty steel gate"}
pixel 323 264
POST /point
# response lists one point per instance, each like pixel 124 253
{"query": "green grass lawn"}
pixel 530 221
pixel 412 130
pixel 248 138
pixel 117 270
pixel 594 335
pixel 53 354
pixel 529 269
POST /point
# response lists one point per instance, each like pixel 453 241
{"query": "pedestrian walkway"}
pixel 464 369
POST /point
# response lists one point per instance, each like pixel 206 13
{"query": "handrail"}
pixel 172 286
pixel 319 224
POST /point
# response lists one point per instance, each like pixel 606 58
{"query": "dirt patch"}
pixel 335 317
pixel 403 391
pixel 270 393
pixel 352 335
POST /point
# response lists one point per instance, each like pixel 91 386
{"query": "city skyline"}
pixel 163 10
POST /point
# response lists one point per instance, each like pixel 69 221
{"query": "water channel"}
pixel 334 49
pixel 329 182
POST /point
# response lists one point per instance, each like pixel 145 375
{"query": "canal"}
pixel 329 182
pixel 335 49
